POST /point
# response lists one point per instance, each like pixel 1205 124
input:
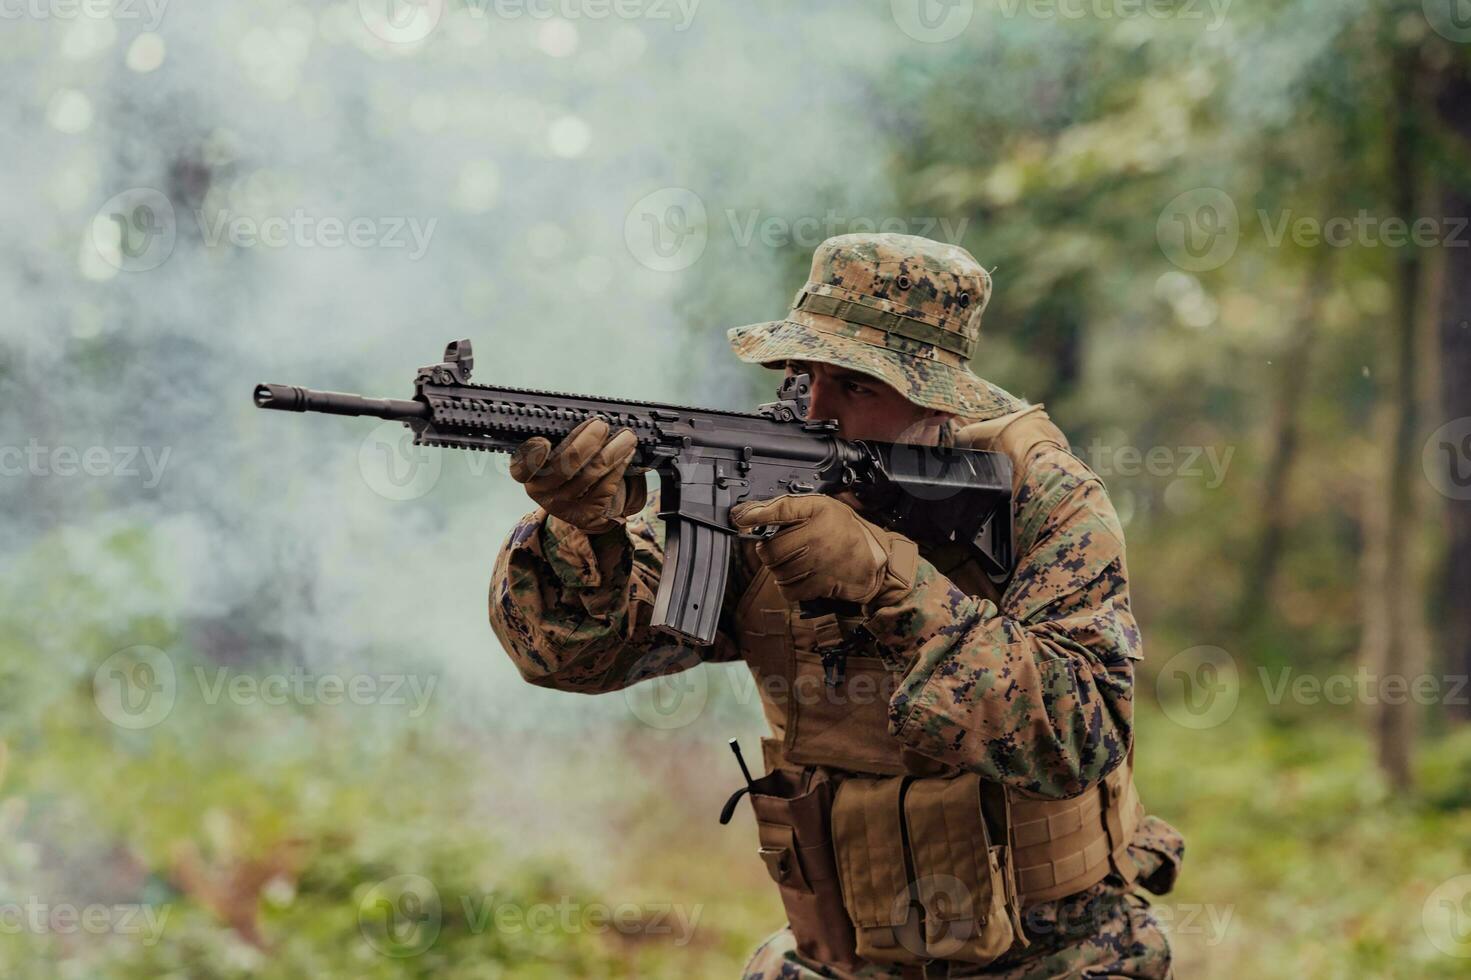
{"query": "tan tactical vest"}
pixel 1057 847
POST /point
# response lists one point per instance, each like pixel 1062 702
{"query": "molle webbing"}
pixel 898 324
pixel 1064 846
pixel 1059 847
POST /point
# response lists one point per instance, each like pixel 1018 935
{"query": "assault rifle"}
pixel 708 461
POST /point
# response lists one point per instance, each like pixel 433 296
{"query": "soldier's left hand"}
pixel 824 550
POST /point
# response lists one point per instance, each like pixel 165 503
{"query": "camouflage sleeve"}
pixel 573 610
pixel 1038 693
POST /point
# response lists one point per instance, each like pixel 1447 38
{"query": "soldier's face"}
pixel 865 407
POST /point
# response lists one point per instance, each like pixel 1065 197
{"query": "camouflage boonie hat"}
pixel 903 309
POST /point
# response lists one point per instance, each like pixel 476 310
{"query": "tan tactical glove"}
pixel 582 481
pixel 824 550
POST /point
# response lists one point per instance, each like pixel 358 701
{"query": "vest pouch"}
pixel 963 882
pixel 878 890
pixel 921 879
pixel 847 725
pixel 793 821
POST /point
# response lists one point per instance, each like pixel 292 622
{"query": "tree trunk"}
pixel 1393 624
pixel 1291 388
pixel 1454 336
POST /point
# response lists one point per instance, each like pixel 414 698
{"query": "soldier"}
pixel 978 817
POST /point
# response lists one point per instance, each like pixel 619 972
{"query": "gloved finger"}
pixel 636 495
pixel 606 466
pixel 786 509
pixel 570 455
pixel 775 553
pixel 804 586
pixel 529 458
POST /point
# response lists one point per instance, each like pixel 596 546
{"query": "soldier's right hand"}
pixel 583 480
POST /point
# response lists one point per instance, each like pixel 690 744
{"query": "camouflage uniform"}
pixel 1034 690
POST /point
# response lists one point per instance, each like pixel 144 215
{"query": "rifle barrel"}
pixel 290 398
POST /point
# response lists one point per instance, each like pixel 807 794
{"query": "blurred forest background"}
pixel 255 723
